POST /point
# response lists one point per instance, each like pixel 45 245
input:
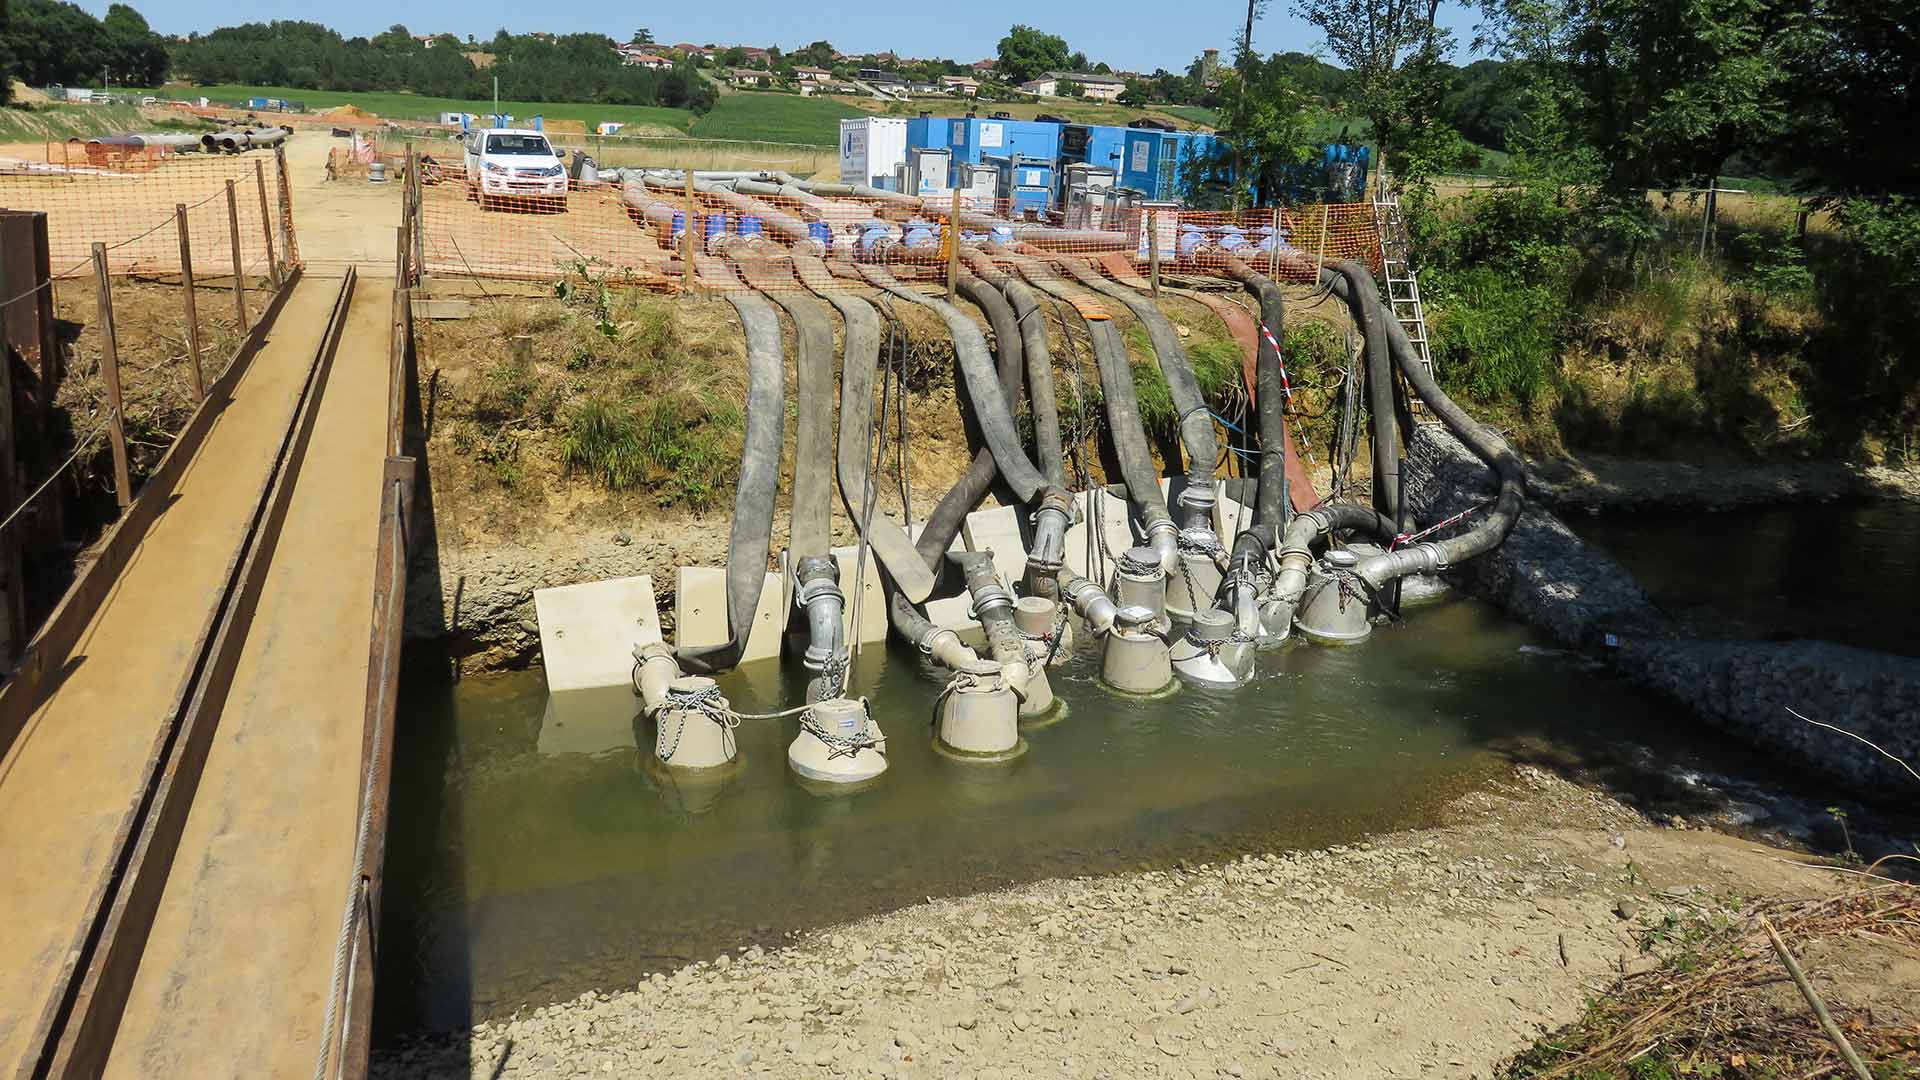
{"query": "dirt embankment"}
pixel 1432 953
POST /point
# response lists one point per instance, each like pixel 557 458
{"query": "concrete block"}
pixel 998 531
pixel 1117 532
pixel 588 631
pixel 700 612
pixel 1229 517
pixel 872 597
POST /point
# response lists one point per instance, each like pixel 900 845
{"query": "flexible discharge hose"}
pixel 1270 499
pixel 1196 423
pixel 860 359
pixel 976 366
pixel 1123 416
pixel 1041 402
pixel 752 529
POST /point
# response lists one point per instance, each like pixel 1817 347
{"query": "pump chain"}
pixel 839 746
pixel 708 702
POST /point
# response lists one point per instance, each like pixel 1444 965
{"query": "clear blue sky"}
pixel 1128 34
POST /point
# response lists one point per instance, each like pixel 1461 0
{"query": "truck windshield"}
pixel 518 144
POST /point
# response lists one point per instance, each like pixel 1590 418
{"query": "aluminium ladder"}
pixel 1403 285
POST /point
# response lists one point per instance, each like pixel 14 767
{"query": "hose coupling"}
pixel 990 597
pixel 1163 536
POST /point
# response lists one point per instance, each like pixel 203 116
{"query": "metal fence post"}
pixel 239 270
pixel 110 374
pixel 193 312
pixel 266 222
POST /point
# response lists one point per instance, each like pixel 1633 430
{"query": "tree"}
pixel 642 36
pixel 1265 123
pixel 1026 53
pixel 1077 62
pixel 1392 48
pixel 1067 88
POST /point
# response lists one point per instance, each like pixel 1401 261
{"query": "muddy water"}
pixel 1847 573
pixel 535 856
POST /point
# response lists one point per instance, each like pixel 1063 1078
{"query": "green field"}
pixel 775 117
pixel 399 106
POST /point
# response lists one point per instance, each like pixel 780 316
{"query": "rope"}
pixel 55 474
pixel 1408 538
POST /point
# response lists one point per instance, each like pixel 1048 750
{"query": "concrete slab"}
pixel 700 612
pixel 588 631
pixel 872 596
pixel 1229 517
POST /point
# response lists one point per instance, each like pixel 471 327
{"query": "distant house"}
pixel 877 75
pixel 923 88
pixel 750 77
pixel 960 84
pixel 1097 87
pixel 983 66
pixel 755 56
pixel 812 74
pixel 645 60
pixel 687 48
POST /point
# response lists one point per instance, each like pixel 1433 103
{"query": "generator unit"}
pixel 973 140
pixel 1084 194
pixel 872 148
pixel 979 184
pixel 1024 183
pixel 926 172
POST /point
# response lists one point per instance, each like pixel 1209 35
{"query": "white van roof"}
pixel 512 131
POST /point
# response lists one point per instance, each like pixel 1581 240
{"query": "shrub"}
pixel 1495 335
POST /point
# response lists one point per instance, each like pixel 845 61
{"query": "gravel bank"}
pixel 1547 576
pixel 1430 953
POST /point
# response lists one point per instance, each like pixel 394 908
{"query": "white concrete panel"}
pixel 998 531
pixel 700 612
pixel 1118 533
pixel 873 597
pixel 588 631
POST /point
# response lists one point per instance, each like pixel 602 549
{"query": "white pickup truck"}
pixel 514 167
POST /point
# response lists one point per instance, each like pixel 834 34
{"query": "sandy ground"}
pixel 1435 953
pixel 339 222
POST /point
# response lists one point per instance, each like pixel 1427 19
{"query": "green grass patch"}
pixel 30 123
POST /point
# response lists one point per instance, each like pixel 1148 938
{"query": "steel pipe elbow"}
pixel 1164 538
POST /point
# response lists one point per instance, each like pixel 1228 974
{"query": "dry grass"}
pixel 1722 1006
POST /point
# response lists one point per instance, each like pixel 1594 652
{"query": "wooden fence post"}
pixel 193 312
pixel 686 234
pixel 283 218
pixel 1153 251
pixel 266 223
pixel 239 271
pixel 110 374
pixel 953 244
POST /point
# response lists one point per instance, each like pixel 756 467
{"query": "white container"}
pixel 871 147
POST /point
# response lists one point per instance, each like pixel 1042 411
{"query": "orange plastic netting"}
pixel 132 211
pixel 540 227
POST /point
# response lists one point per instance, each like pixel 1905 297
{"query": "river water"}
pixel 534 856
pixel 1848 573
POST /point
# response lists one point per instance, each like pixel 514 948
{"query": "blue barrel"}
pixel 679 226
pixel 1231 239
pixel 919 236
pixel 748 225
pixel 873 238
pixel 716 227
pixel 821 232
pixel 1003 234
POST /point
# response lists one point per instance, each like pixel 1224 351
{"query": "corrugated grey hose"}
pixel 1270 504
pixel 1485 443
pixel 1041 402
pixel 752 529
pixel 860 359
pixel 1123 422
pixel 1196 423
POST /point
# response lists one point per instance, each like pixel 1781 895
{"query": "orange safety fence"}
pixel 530 224
pixel 132 212
pixel 100 155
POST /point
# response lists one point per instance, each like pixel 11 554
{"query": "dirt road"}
pixel 339 222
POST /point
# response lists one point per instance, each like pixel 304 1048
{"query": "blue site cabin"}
pixel 972 138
